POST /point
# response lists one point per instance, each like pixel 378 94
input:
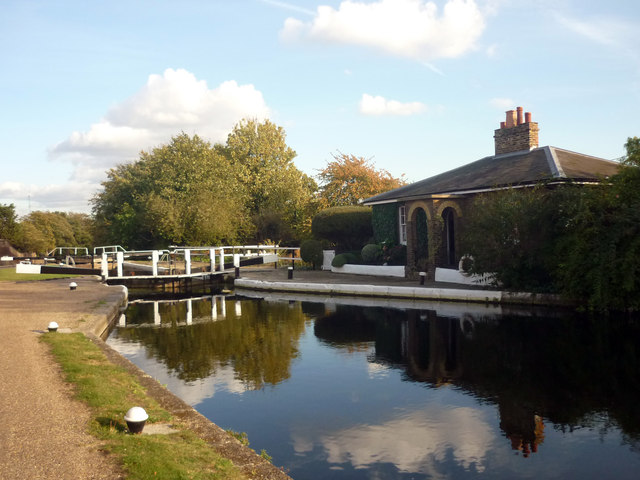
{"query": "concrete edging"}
pixel 244 458
pixel 422 293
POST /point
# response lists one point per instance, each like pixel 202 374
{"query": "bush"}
pixel 396 255
pixel 343 258
pixel 348 228
pixel 371 254
pixel 311 252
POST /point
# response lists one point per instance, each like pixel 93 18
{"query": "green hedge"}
pixel 371 254
pixel 311 252
pixel 384 220
pixel 348 228
pixel 342 258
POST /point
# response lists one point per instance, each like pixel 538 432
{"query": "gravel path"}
pixel 43 429
pixel 43 434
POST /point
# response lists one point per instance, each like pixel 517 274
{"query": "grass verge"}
pixel 10 275
pixel 110 391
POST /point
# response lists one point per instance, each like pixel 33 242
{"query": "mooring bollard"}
pixel 237 272
pixel 136 418
pixel 289 273
pixel 423 276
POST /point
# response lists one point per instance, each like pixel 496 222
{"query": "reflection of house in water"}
pixel 522 426
pixel 438 350
pixel 432 346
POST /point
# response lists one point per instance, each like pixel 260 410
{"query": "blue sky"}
pixel 418 86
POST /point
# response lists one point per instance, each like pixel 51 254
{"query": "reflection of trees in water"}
pixel 259 344
pixel 562 369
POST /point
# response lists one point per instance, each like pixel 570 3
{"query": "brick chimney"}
pixel 516 133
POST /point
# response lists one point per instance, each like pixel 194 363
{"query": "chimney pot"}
pixel 516 135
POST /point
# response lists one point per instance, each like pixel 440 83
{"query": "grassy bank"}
pixel 110 391
pixel 9 275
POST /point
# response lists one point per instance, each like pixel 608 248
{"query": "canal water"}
pixel 350 389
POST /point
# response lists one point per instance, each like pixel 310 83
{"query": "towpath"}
pixel 44 430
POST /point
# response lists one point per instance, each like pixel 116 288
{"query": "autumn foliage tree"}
pixel 349 179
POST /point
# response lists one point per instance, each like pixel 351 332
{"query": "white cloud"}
pixel 416 442
pixel 408 28
pixel 615 33
pixel 601 30
pixel 377 105
pixel 288 6
pixel 168 104
pixel 72 196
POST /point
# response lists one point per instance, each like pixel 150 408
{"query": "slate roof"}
pixel 518 168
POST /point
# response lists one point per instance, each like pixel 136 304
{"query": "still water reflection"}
pixel 412 390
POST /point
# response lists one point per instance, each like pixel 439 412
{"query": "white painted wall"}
pixel 379 270
pixel 327 258
pixel 27 268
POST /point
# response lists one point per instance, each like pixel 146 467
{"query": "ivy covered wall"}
pixel 384 219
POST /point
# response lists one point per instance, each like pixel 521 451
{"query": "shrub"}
pixel 311 252
pixel 342 258
pixel 348 228
pixel 396 255
pixel 371 253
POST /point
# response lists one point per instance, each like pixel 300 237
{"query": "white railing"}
pixel 68 250
pixel 215 257
pixel 108 249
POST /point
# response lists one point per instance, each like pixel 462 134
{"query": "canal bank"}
pixel 45 434
pixel 338 284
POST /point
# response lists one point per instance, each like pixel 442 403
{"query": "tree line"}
pixel 192 192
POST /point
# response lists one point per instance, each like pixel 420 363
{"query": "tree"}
pixel 182 193
pixel 582 241
pixel 43 231
pixel 348 179
pixel 512 234
pixel 8 222
pixel 280 197
pixel 600 253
